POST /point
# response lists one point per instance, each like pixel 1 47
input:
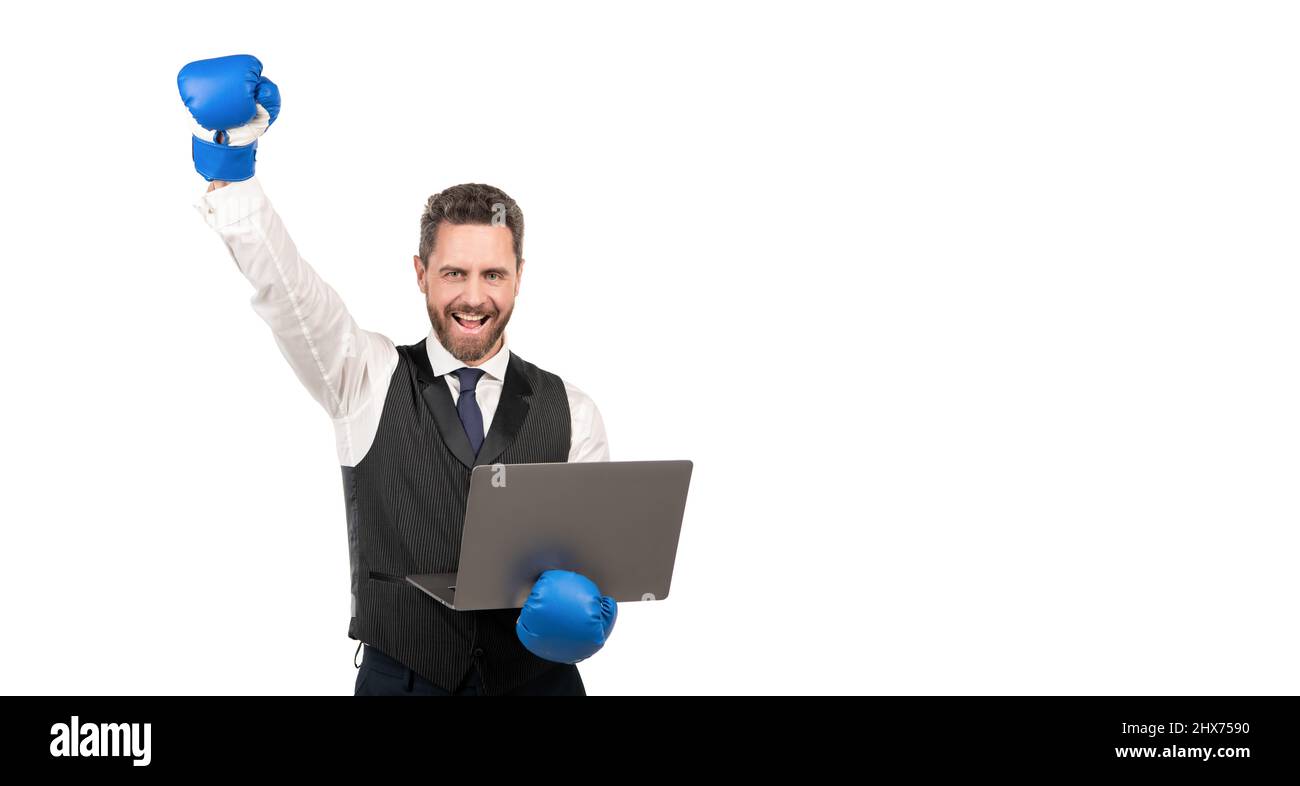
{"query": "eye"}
pixel 494 276
pixel 453 272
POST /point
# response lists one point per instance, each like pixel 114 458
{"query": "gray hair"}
pixel 471 203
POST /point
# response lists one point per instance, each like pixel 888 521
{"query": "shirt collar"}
pixel 443 362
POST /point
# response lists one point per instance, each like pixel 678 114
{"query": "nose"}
pixel 473 294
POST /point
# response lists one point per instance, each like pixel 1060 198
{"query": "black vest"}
pixel 406 510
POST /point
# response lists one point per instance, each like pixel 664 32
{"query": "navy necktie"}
pixel 471 417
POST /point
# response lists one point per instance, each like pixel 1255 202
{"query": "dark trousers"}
pixel 381 675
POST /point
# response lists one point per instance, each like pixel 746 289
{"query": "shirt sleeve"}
pixel 587 440
pixel 343 367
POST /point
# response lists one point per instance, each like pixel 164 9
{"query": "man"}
pixel 412 421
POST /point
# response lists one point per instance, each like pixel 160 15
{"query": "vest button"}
pixel 478 652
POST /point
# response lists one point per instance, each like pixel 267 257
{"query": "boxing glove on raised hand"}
pixel 234 104
pixel 565 619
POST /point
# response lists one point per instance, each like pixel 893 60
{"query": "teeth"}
pixel 468 318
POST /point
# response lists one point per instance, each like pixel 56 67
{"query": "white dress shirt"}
pixel 345 368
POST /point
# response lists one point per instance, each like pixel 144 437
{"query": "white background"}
pixel 978 321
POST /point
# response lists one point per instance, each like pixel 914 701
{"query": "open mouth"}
pixel 470 323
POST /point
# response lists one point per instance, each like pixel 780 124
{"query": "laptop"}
pixel 615 522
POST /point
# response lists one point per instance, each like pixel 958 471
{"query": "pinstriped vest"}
pixel 406 509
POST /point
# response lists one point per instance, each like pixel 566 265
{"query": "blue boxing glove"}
pixel 565 619
pixel 229 97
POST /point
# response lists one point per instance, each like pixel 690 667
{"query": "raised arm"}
pixel 341 365
pixel 344 367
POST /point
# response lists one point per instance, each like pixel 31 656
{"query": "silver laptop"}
pixel 615 522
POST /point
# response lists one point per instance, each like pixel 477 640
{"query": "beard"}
pixel 467 348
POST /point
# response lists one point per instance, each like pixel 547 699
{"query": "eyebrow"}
pixel 498 270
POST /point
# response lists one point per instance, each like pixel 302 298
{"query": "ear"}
pixel 519 275
pixel 419 272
